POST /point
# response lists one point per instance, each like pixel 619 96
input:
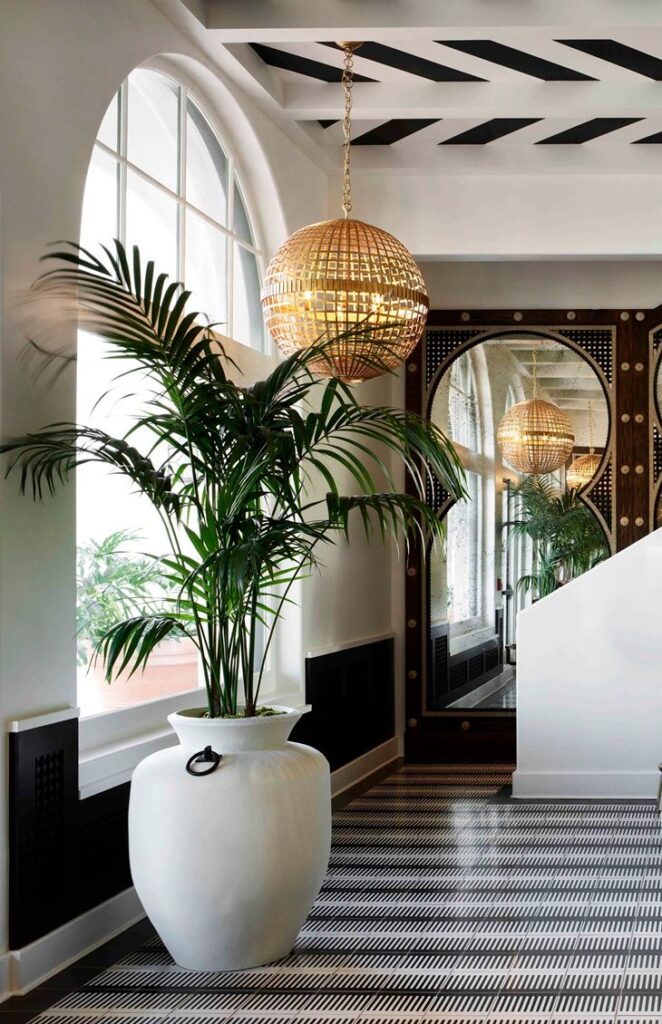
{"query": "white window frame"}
pixel 234 176
pixel 114 741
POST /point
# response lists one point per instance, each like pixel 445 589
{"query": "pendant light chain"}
pixel 534 373
pixel 590 427
pixel 347 76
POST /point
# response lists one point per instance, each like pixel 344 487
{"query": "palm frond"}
pixel 233 471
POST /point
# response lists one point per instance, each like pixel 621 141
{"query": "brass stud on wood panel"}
pixel 411 571
pixel 625 469
pixel 413 367
pixel 518 317
pixel 412 674
pixel 625 315
pixel 465 726
pixel 640 316
pixel 638 367
pixel 465 317
pixel 639 469
pixel 639 521
pixel 624 521
pixel 625 418
pixel 625 367
pixel 412 723
pixel 639 417
pixel 571 315
pixel 412 623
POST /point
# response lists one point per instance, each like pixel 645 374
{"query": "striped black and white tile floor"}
pixel 445 901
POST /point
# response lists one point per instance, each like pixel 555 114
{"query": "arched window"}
pixel 161 179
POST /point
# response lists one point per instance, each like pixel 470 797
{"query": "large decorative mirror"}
pixel 525 529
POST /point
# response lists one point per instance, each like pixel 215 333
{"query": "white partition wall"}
pixel 589 691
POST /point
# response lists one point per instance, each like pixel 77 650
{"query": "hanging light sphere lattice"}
pixel 582 470
pixel 535 437
pixel 344 275
pixel 345 284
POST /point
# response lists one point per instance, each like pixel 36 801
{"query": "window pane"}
pixel 99 219
pixel 247 321
pixel 151 224
pixel 152 118
pixel 241 225
pixel 463 404
pixel 109 131
pixel 464 555
pixel 206 167
pixel 206 270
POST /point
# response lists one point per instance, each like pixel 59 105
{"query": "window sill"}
pixel 113 764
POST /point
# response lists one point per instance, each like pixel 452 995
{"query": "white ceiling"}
pixel 568 86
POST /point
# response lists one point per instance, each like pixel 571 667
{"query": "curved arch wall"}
pixel 57 82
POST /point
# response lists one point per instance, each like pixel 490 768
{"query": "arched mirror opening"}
pixel 519 535
pixel 159 178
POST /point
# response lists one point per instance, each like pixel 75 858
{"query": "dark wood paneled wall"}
pixel 624 347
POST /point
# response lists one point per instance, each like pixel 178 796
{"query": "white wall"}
pixel 589 682
pixel 565 216
pixel 543 284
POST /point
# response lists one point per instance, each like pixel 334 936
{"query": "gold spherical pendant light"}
pixel 582 470
pixel 584 467
pixel 535 437
pixel 342 276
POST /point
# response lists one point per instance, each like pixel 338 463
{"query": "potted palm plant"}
pixel 230 832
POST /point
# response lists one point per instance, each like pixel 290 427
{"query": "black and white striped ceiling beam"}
pixel 516 60
pixel 393 131
pixel 489 131
pixel 588 130
pixel 484 132
pixel 411 63
pixel 286 61
pixel 613 52
pixel 603 54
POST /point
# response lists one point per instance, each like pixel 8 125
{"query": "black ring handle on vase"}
pixel 208 756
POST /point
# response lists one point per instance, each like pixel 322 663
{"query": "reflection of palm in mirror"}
pixel 473 578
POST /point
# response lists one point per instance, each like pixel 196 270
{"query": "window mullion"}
pixel 181 178
pixel 123 153
pixel 229 261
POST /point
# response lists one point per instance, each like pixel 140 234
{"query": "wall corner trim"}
pixel 354 772
pixel 37 721
pixel 579 785
pixel 23 969
pixel 346 645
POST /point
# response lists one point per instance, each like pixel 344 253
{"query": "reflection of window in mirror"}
pixel 469 574
pixel 462 572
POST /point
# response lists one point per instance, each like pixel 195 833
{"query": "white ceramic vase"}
pixel 227 865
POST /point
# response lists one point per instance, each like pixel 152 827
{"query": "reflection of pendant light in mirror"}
pixel 535 436
pixel 344 275
pixel 584 467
